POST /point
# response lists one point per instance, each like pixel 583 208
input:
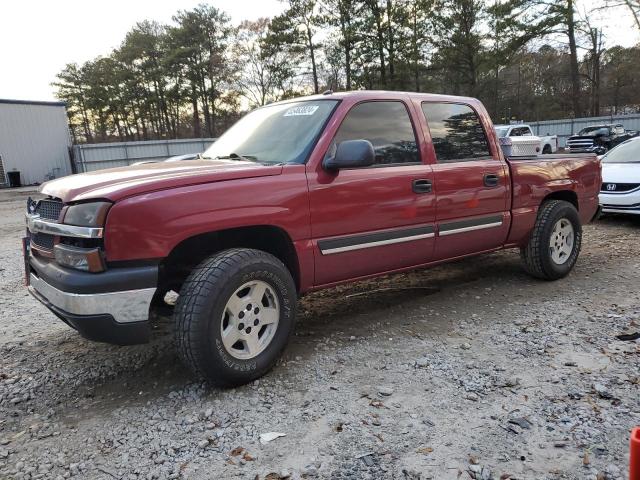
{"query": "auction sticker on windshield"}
pixel 301 110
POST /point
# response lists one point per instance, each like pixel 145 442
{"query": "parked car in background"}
pixel 620 192
pixel 599 139
pixel 547 144
pixel 297 196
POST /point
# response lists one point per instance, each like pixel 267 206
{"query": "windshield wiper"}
pixel 235 156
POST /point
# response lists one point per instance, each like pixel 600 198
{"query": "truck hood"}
pixel 117 183
pixel 586 137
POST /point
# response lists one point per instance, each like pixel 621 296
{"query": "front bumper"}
pixel 111 306
pixel 623 202
pixel 597 149
pixel 634 209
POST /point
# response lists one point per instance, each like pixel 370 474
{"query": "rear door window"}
pixel 456 132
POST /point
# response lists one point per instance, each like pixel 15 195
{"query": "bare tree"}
pixel 265 75
pixel 632 5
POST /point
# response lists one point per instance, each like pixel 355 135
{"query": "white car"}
pixel 620 191
pixel 521 132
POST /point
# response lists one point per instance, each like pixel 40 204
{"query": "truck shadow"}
pixel 82 373
pixel 338 308
pixel 349 308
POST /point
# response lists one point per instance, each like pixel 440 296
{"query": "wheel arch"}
pixel 176 266
pixel 566 195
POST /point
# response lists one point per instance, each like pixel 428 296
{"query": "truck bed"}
pixel 572 177
pixel 553 156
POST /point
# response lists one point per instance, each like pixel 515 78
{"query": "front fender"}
pixel 149 226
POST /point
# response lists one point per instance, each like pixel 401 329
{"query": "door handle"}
pixel 491 180
pixel 421 186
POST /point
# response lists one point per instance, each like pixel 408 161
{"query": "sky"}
pixel 39 37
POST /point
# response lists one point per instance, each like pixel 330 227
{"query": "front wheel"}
pixel 555 241
pixel 235 315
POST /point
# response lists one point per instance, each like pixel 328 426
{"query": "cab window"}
pixel 456 132
pixel 520 132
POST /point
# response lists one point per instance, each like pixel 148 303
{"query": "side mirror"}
pixel 351 154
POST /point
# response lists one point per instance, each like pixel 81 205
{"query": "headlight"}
pixel 87 259
pixel 87 214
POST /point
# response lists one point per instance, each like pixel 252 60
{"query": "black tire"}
pixel 536 256
pixel 546 150
pixel 202 303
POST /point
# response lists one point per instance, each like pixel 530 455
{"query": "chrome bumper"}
pixel 124 306
pixel 35 224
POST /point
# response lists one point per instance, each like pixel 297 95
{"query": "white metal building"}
pixel 34 140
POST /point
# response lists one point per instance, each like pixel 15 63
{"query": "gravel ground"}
pixel 468 370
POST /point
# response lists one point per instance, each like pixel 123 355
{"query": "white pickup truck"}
pixel 547 144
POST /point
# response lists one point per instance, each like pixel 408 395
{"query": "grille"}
pixel 49 209
pixel 618 187
pixel 579 144
pixel 43 240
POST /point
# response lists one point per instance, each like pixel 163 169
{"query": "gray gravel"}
pixel 468 370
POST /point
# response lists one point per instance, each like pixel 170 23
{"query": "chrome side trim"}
pixel 378 243
pixel 125 306
pixel 469 229
pixel 36 225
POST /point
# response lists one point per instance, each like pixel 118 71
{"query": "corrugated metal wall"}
pixel 90 157
pixel 34 139
pixel 565 128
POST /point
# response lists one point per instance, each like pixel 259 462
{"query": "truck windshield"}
pixel 594 131
pixel 626 152
pixel 282 133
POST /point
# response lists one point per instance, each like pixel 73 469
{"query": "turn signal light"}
pixel 87 259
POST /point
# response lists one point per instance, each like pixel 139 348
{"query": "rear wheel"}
pixel 555 241
pixel 235 315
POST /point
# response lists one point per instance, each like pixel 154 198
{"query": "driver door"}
pixel 374 219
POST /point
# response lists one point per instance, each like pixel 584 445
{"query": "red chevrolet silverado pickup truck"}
pixel 299 195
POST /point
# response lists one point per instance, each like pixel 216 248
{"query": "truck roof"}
pixel 382 94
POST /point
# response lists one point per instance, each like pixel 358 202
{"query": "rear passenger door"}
pixel 471 183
